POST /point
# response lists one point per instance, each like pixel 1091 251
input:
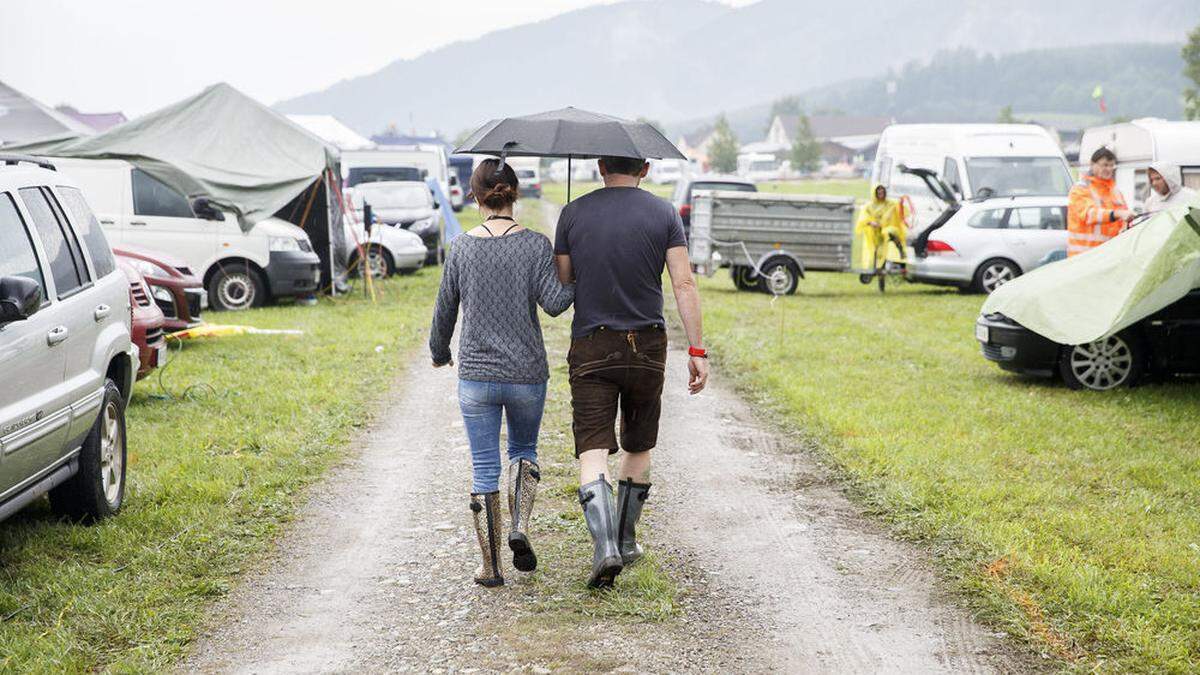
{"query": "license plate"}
pixel 981 333
pixel 160 356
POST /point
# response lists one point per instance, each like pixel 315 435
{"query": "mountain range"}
pixel 674 60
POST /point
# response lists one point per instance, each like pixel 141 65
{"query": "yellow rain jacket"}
pixel 888 213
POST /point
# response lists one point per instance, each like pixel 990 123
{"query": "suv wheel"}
pixel 236 287
pixel 1108 363
pixel 994 273
pixel 97 490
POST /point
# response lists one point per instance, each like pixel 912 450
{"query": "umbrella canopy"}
pixel 570 132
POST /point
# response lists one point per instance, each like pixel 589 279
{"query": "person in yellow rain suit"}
pixel 881 230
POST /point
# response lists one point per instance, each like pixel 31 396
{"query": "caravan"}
pixel 977 161
pixel 1139 143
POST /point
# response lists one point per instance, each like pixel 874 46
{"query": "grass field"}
pixel 217 459
pixel 856 188
pixel 1070 518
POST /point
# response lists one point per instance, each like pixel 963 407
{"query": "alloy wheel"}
pixel 111 456
pixel 376 262
pixel 996 275
pixel 1103 364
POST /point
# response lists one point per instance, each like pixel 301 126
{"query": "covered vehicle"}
pixel 239 156
pixel 1102 318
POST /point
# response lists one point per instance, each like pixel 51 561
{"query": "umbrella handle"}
pixel 503 156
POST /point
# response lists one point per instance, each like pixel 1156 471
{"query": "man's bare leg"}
pixel 635 466
pixel 593 463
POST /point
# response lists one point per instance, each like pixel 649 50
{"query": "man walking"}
pixel 614 243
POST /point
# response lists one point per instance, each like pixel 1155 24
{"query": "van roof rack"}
pixel 12 160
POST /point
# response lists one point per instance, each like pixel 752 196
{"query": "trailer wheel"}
pixel 780 276
pixel 744 278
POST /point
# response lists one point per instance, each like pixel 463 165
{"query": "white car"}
pixel 404 205
pixel 389 250
pixel 987 243
pixel 66 360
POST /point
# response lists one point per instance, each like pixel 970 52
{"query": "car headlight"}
pixel 423 225
pixel 285 244
pixel 147 268
pixel 161 293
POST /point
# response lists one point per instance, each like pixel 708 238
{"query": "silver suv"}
pixel 66 361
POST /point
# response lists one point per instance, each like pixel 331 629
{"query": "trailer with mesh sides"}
pixel 767 240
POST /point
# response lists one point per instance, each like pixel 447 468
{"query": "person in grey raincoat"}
pixel 1165 189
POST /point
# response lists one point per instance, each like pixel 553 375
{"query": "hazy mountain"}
pixel 1053 86
pixel 682 59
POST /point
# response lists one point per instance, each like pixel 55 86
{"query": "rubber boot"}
pixel 523 478
pixel 597 501
pixel 486 509
pixel 630 498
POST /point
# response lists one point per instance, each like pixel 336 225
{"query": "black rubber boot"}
pixel 630 498
pixel 523 478
pixel 597 501
pixel 486 510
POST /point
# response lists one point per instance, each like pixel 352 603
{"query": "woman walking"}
pixel 499 273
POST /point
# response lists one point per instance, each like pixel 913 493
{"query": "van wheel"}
pixel 97 490
pixel 1107 363
pixel 780 277
pixel 994 273
pixel 236 287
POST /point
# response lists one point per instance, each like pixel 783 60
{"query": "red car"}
pixel 173 287
pixel 148 321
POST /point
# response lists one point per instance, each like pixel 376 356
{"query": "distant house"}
pixel 97 121
pixel 695 145
pixel 857 133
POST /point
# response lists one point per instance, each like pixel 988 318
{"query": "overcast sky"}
pixel 138 55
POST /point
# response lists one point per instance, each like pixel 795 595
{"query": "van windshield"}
pixel 377 174
pixel 1018 176
pixel 393 196
pixel 763 165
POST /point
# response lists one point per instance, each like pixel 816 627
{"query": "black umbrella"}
pixel 570 133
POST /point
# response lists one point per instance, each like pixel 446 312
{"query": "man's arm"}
pixel 687 299
pixel 566 275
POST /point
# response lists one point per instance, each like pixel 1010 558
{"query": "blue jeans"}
pixel 482 404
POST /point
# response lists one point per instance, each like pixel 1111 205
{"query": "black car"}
pixel 1164 343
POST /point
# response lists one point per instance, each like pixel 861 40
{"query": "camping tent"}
pixel 331 129
pixel 241 155
pixel 24 119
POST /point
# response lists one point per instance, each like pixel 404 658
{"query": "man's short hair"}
pixel 1103 153
pixel 630 166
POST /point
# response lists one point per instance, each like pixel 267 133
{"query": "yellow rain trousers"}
pixel 872 252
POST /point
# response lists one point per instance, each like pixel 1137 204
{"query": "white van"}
pixel 1139 143
pixel 976 160
pixel 758 167
pixel 240 269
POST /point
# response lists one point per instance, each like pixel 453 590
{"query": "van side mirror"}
pixel 454 179
pixel 19 298
pixel 206 210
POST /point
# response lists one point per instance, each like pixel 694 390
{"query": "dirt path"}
pixel 773 568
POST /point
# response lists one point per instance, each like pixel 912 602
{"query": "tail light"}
pixel 938 246
pixel 685 210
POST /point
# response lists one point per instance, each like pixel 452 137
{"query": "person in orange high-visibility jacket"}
pixel 1096 210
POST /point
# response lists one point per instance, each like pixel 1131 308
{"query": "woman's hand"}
pixel 448 363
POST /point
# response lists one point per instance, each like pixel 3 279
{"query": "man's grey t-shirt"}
pixel 618 239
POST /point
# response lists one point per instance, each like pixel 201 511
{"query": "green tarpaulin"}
pixel 1095 294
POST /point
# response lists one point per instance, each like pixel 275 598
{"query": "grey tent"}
pixel 24 119
pixel 240 154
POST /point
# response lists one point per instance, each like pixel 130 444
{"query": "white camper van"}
pixel 977 161
pixel 758 167
pixel 1139 143
pixel 240 269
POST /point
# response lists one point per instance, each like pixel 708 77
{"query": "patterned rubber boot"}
pixel 630 498
pixel 523 478
pixel 486 509
pixel 597 501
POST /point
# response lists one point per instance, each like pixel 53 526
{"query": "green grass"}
pixel 212 475
pixel 856 188
pixel 557 192
pixel 1071 518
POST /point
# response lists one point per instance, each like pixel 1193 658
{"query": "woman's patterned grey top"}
pixel 499 281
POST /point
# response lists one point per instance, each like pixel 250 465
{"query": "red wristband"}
pixel 699 352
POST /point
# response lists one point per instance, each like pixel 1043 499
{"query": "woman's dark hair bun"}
pixel 491 188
